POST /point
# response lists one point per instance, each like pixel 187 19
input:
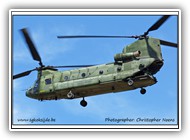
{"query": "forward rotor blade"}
pixel 157 24
pixel 95 36
pixel 31 46
pixel 171 44
pixel 72 66
pixel 22 74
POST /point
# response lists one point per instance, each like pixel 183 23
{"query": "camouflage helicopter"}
pixel 133 68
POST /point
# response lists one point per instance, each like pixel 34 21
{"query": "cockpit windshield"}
pixel 36 86
pixel 34 89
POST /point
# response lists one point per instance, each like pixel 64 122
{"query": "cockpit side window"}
pixel 48 81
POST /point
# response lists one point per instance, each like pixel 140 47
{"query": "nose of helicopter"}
pixel 29 92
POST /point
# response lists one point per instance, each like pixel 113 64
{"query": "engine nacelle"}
pixel 126 56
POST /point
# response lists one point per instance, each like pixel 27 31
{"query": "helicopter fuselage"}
pixel 133 68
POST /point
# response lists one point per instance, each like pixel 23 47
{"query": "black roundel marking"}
pixel 83 74
pixel 101 72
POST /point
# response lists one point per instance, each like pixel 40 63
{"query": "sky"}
pixel 160 101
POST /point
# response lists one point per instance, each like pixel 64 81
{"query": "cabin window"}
pixel 118 68
pixel 48 81
pixel 66 78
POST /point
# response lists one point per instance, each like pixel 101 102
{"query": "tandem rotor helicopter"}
pixel 133 68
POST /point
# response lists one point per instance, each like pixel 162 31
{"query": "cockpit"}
pixel 34 89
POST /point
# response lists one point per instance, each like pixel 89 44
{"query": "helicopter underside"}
pixel 102 88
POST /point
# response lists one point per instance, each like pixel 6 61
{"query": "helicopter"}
pixel 133 68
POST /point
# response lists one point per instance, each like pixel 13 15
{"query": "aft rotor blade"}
pixel 157 24
pixel 167 43
pixel 31 46
pixel 95 36
pixel 22 74
pixel 72 66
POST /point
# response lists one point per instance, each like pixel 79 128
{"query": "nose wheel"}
pixel 83 103
pixel 143 91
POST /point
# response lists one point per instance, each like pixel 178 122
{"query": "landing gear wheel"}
pixel 130 82
pixel 83 103
pixel 70 95
pixel 143 91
